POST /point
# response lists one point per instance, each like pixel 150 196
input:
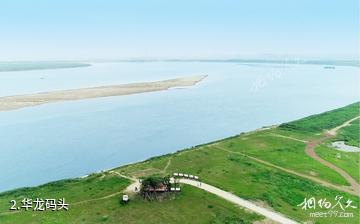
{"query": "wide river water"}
pixel 70 139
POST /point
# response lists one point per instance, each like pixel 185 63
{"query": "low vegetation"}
pixel 350 134
pixel 348 161
pixel 281 151
pixel 246 178
pixel 228 164
pixel 324 121
pixel 96 199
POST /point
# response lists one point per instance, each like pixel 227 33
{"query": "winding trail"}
pixel 310 151
pixel 347 123
pixel 97 199
pixel 315 179
pixel 167 165
pixel 135 186
pixel 239 201
pixel 132 188
pixel 288 137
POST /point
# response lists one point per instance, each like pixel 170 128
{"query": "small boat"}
pixel 329 67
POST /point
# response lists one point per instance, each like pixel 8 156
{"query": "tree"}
pixel 153 186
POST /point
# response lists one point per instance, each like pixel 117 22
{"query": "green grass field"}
pixel 319 122
pixel 225 164
pixel 281 151
pixel 350 134
pixel 190 206
pixel 348 161
pixel 245 178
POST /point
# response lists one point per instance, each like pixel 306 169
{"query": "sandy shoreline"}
pixel 29 100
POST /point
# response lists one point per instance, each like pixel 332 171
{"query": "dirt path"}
pixel 288 137
pixel 134 187
pixel 315 179
pixel 239 201
pixel 334 130
pixel 130 189
pixel 211 189
pixel 97 199
pixel 167 165
pixel 309 150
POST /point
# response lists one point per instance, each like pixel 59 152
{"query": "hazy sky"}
pixel 115 29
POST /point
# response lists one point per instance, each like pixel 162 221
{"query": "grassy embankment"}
pixel 350 134
pixel 247 178
pixel 222 164
pixel 96 199
pixel 348 161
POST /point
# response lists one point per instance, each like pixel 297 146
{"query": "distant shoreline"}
pixel 41 65
pixel 29 100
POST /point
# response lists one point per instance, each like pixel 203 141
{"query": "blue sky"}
pixel 115 29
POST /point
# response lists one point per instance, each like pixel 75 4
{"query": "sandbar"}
pixel 29 100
